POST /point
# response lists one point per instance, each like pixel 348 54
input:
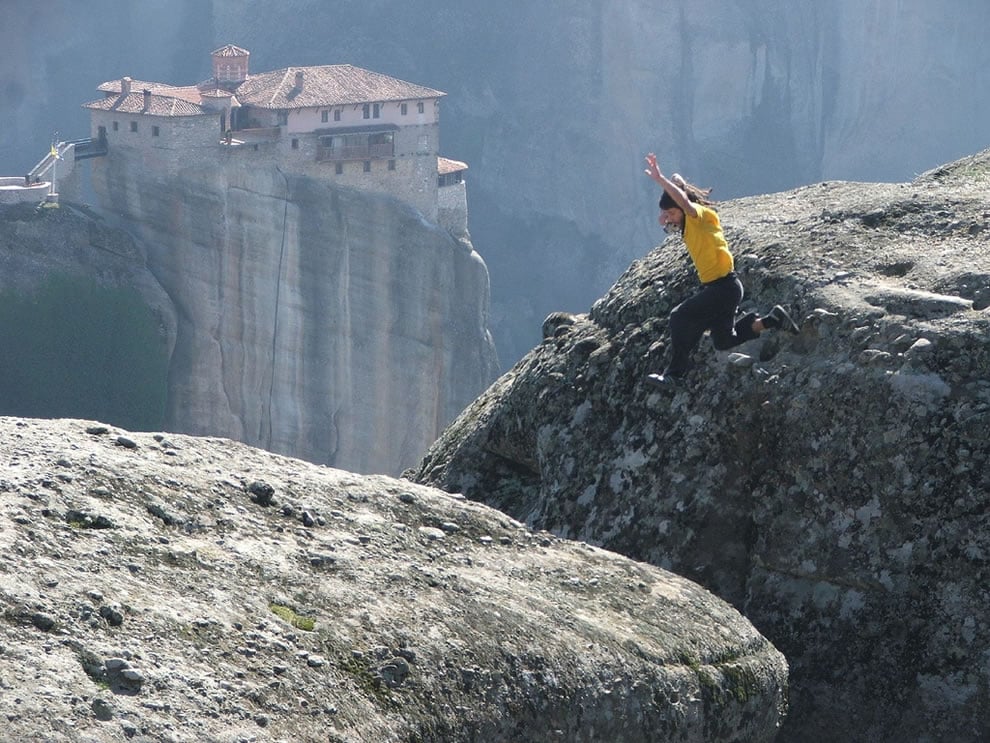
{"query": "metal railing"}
pixel 82 149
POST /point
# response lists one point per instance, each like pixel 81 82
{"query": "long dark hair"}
pixel 694 193
pixel 697 194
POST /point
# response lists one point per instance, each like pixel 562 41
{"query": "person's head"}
pixel 671 215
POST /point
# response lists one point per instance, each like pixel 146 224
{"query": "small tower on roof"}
pixel 230 65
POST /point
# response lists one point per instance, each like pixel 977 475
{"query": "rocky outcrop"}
pixel 170 588
pixel 331 324
pixel 831 485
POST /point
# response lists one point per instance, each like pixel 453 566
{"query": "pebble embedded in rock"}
pixel 263 493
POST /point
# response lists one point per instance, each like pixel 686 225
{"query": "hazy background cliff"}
pixel 334 325
pixel 554 104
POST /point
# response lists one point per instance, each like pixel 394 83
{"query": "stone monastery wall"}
pixel 170 145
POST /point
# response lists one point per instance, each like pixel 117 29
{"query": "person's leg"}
pixel 688 322
pixel 727 332
pixel 744 328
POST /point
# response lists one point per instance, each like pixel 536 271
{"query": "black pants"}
pixel 713 308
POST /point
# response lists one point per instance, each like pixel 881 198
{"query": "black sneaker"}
pixel 778 319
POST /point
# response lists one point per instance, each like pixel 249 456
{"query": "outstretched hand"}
pixel 653 169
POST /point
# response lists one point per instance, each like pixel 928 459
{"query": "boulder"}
pixel 161 587
pixel 830 484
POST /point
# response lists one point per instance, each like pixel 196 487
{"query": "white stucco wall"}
pixel 13 191
pixel 311 119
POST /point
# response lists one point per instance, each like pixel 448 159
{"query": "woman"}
pixel 686 208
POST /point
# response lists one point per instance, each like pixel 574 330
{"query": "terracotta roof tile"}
pixel 445 165
pixel 327 85
pixel 229 50
pixel 159 105
pixel 190 93
pixel 113 86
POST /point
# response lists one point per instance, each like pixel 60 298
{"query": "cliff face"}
pixel 330 324
pixel 832 485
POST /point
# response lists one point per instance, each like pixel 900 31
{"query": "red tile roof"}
pixel 189 93
pixel 229 50
pixel 158 105
pixel 445 165
pixel 327 85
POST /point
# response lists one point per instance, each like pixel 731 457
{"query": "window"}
pixel 381 144
pixel 283 118
pixel 324 116
pixel 116 125
pixel 154 131
pixel 403 108
pixel 133 126
pixel 391 164
pixel 367 111
pixel 295 143
pixel 367 166
pixel 336 115
pixel 339 169
pixel 377 111
pixel 420 107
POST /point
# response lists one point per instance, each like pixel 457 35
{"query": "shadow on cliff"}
pixel 84 328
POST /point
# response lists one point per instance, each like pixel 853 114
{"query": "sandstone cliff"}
pixel 171 588
pixel 326 323
pixel 831 485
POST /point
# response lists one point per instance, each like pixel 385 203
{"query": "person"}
pixel 685 208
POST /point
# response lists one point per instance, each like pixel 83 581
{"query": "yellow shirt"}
pixel 706 244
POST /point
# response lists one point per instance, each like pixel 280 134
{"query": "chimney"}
pixel 299 79
pixel 147 98
pixel 125 86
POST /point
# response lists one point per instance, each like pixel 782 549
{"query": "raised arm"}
pixel 673 186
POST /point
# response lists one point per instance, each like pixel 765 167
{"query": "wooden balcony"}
pixel 356 152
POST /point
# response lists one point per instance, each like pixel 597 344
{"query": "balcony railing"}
pixel 356 152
